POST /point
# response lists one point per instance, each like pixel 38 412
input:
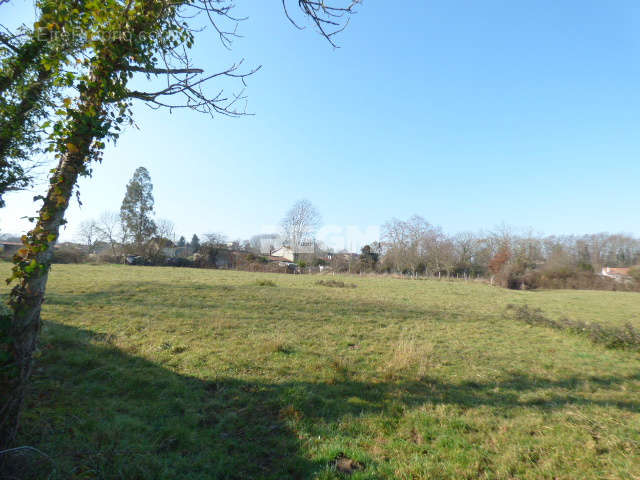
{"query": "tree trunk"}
pixel 86 124
pixel 33 262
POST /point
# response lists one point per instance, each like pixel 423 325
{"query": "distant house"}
pixel 283 253
pixel 616 273
pixel 306 251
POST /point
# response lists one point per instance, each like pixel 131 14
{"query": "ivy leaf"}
pixel 31 267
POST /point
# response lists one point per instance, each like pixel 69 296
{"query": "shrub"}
pixel 635 273
pixel 518 277
pixel 109 258
pixel 253 258
pixel 515 277
pixel 68 255
pixel 179 262
pixel 317 262
pixel 627 337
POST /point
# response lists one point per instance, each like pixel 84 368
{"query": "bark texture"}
pixel 27 297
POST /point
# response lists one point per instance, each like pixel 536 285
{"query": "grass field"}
pixel 163 373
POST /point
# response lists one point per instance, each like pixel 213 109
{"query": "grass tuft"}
pixel 335 284
pixel 409 356
pixel 277 344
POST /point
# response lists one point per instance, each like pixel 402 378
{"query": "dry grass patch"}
pixel 409 356
pixel 276 343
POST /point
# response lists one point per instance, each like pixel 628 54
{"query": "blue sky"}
pixel 471 114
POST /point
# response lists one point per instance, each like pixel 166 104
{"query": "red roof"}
pixel 618 271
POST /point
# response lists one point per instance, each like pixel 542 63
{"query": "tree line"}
pixel 516 260
pixel 411 247
pixel 415 246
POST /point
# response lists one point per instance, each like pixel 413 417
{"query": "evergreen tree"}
pixel 137 208
pixel 368 258
pixel 182 242
pixel 195 243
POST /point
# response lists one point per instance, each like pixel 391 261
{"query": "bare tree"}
pixel 109 229
pixel 264 244
pixel 165 229
pixel 414 245
pixel 89 234
pixel 395 241
pixel 301 223
pixel 215 240
pixel 465 247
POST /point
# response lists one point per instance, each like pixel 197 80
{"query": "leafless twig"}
pixel 328 19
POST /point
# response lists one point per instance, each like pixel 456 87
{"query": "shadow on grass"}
pixel 100 413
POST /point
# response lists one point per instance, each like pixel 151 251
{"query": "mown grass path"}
pixel 155 373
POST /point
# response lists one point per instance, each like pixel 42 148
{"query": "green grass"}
pixel 164 373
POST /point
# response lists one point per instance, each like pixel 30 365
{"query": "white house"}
pixel 305 249
pixel 286 253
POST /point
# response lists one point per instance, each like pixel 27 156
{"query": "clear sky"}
pixel 468 113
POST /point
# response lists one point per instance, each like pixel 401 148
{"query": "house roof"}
pixel 303 247
pixel 618 271
pixel 17 244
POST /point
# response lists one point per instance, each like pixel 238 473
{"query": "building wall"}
pixel 285 253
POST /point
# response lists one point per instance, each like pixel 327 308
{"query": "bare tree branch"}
pixel 185 82
pixel 329 20
pixel 158 71
pixel 189 87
